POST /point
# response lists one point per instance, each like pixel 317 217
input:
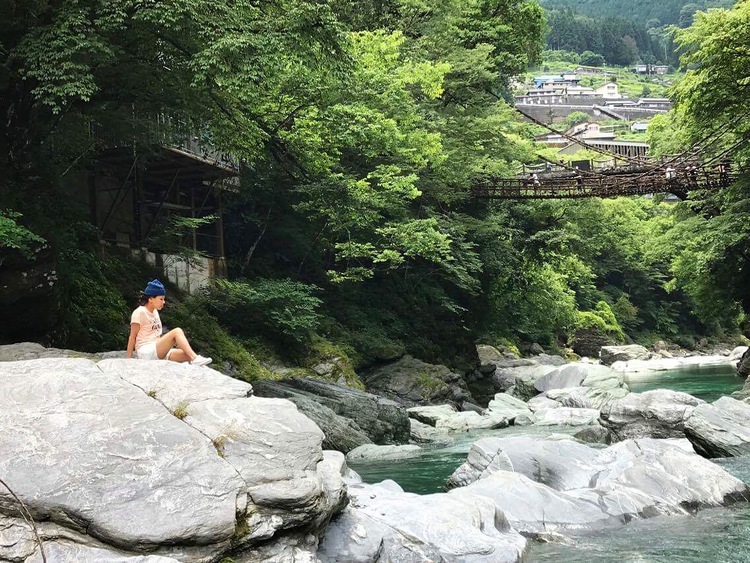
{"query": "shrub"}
pixel 274 309
pixel 93 315
pixel 589 58
pixel 208 337
pixel 338 356
pixel 594 329
pixel 577 117
pixel 17 237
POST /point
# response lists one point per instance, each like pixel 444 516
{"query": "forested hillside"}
pixel 614 40
pixel 665 12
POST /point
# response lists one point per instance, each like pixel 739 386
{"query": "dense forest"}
pixel 616 41
pixel 666 12
pixel 361 128
pixel 620 33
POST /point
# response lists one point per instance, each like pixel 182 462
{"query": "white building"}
pixel 609 91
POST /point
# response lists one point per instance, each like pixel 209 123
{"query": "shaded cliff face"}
pixel 171 459
pixel 26 296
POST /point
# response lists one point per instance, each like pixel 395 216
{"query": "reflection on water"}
pixel 428 472
pixel 714 535
pixel 707 382
pixel 424 474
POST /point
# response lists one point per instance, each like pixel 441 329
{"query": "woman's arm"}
pixel 134 328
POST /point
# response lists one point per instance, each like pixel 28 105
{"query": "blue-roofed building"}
pixel 551 81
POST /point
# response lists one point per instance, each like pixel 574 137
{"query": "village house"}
pixel 609 90
pixel 655 103
pixel 651 69
pixel 585 131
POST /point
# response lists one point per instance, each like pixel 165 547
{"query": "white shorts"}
pixel 148 352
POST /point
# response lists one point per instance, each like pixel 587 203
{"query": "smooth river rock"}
pixel 550 486
pixel 565 416
pixel 373 452
pixel 445 418
pixel 602 384
pixel 132 456
pixel 367 417
pixel 410 382
pixel 507 406
pixel 720 429
pixel 657 414
pixel 612 354
pixel 382 523
pixel 562 464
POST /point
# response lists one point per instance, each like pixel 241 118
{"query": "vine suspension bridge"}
pixel 677 174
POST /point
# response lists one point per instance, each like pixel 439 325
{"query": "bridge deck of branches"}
pixel 624 182
pixel 698 168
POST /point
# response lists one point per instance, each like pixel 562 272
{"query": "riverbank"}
pixel 686 361
pixel 562 436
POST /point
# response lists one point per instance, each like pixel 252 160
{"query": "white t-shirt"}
pixel 150 330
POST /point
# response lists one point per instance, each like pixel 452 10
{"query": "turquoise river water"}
pixel 716 535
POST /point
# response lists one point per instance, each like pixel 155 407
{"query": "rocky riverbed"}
pixel 121 460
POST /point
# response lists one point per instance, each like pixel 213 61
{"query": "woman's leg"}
pixel 175 336
pixel 177 355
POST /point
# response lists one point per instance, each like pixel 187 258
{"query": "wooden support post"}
pixel 192 214
pixel 138 207
pixel 219 224
pixel 93 204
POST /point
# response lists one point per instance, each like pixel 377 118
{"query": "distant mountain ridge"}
pixel 667 12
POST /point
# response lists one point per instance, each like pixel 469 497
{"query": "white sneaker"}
pixel 201 361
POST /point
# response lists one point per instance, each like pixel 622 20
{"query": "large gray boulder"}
pixel 743 364
pixel 612 354
pixel 566 416
pixel 490 357
pixel 560 464
pixel 586 397
pixel 602 384
pixel 464 421
pixel 657 414
pixel 542 402
pixel 721 429
pixel 157 457
pixel 670 472
pixel 33 351
pixel 547 486
pixel 524 372
pixel 425 434
pixel 603 378
pixel 507 406
pixel 534 508
pixel 446 419
pixel 373 452
pixel 382 523
pixel 567 376
pixel 367 417
pixel 525 379
pixel 412 382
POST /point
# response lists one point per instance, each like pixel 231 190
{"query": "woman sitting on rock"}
pixel 145 332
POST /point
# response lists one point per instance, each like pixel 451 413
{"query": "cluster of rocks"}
pixel 348 417
pixel 718 429
pixel 634 358
pixel 383 523
pixel 119 459
pixel 543 392
pixel 544 486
